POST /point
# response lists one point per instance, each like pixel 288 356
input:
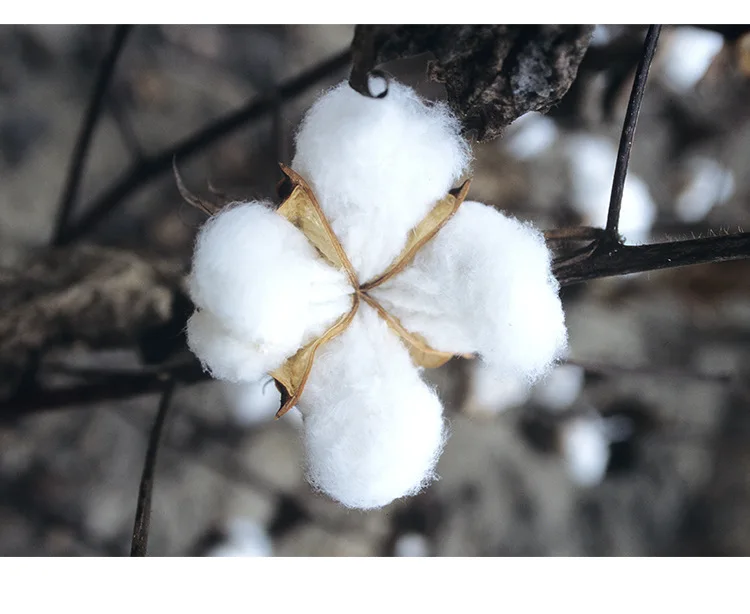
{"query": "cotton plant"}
pixel 373 268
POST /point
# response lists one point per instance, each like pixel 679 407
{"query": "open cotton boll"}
pixel 592 162
pixel 490 393
pixel 709 184
pixel 263 282
pixel 585 448
pixel 687 55
pixel 483 285
pixel 245 538
pixel 560 388
pixel 373 430
pixel 377 166
pixel 530 135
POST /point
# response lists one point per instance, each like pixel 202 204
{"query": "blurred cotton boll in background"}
pixel 592 163
pixel 560 389
pixel 257 402
pixel 411 544
pixel 686 55
pixel 585 448
pixel 708 184
pixel 491 393
pixel 244 538
pixel 530 136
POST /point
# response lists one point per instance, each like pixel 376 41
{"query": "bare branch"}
pixel 628 130
pixel 149 168
pixel 90 119
pixel 139 545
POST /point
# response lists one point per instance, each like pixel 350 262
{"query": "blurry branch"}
pixel 649 371
pixel 90 119
pixel 152 166
pixel 142 523
pixel 628 130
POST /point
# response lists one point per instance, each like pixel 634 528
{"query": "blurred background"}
pixel 638 445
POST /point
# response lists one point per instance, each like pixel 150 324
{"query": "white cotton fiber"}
pixel 483 285
pixel 257 279
pixel 411 544
pixel 252 402
pixel 687 54
pixel 560 388
pixel 490 393
pixel 373 430
pixel 592 165
pixel 377 166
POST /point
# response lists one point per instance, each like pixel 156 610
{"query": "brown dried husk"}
pixel 302 209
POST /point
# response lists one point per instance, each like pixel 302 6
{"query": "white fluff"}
pixel 530 136
pixel 709 184
pixel 483 285
pixel 490 393
pixel 560 389
pixel 687 55
pixel 411 544
pixel 373 430
pixel 245 538
pixel 262 289
pixel 592 163
pixel 377 167
pixel 585 447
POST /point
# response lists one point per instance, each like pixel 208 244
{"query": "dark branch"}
pixel 90 119
pixel 148 169
pixel 143 511
pixel 608 261
pixel 628 130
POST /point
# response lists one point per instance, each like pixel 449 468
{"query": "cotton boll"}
pixel 687 55
pixel 372 429
pixel 560 389
pixel 585 448
pixel 245 538
pixel 377 166
pixel 530 135
pixel 490 393
pixel 260 278
pixel 709 184
pixel 483 285
pixel 592 164
pixel 411 544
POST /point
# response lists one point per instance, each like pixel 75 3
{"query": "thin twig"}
pixel 650 371
pixel 624 259
pixel 148 169
pixel 90 119
pixel 143 511
pixel 628 130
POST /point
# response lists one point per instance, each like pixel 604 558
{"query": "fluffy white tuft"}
pixel 560 389
pixel 377 166
pixel 263 292
pixel 373 430
pixel 483 285
pixel 592 163
pixel 687 56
